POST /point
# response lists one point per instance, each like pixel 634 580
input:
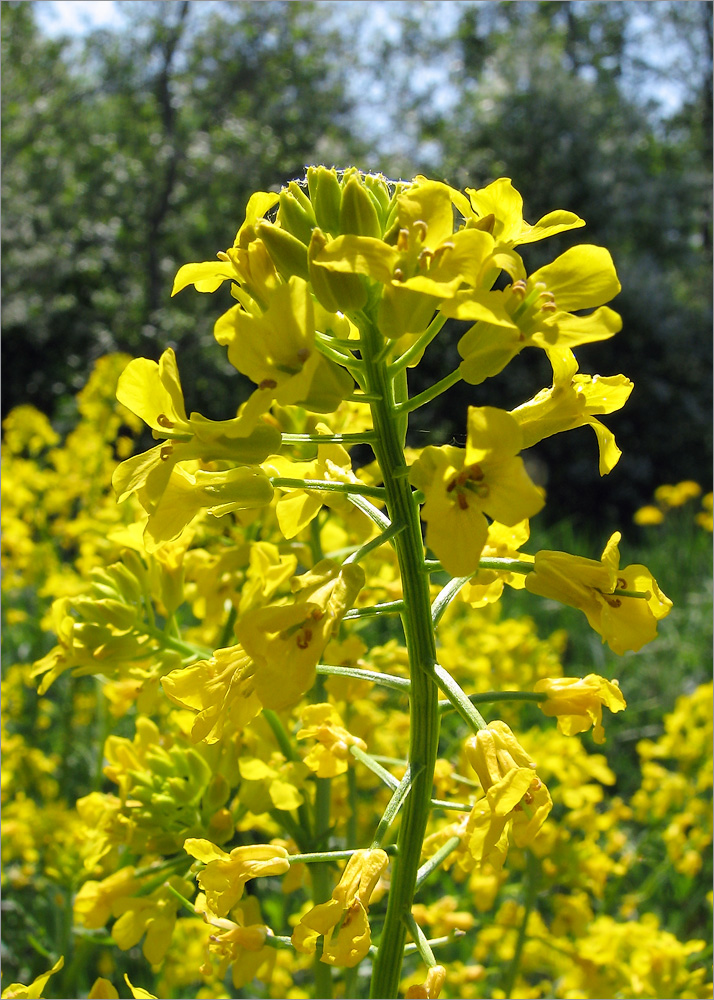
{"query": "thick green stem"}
pixel 419 634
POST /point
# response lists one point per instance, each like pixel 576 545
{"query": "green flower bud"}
pixel 326 195
pixel 296 214
pixel 216 795
pixel 106 612
pixel 287 252
pixel 358 216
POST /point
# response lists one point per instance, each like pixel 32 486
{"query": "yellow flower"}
pixel 572 401
pixel 649 514
pixel 430 988
pixel 296 508
pixel 286 641
pixel 153 916
pixel 623 622
pixel 225 875
pixel 577 702
pixel 273 783
pixel 16 991
pixel 515 796
pixel 220 690
pixel 171 495
pixel 537 311
pixel 500 206
pixel 345 913
pixel 462 485
pixel 102 989
pixel 240 943
pixel 275 348
pixel 185 494
pixel 94 902
pixel 677 496
pixel 323 723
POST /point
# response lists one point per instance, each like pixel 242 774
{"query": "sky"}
pixel 75 17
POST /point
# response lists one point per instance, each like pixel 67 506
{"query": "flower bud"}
pixel 287 252
pixel 296 214
pixel 326 195
pixel 358 214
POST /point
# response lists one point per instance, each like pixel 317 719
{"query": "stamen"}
pixel 304 638
pixel 165 452
pixel 421 229
pixel 268 383
pixel 163 421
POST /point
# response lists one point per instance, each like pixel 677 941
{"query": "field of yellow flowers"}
pixel 263 738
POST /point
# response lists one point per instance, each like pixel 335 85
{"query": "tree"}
pixel 139 157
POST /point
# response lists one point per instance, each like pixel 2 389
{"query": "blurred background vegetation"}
pixel 129 151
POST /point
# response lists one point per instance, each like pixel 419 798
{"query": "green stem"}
pixel 446 596
pixel 435 860
pixel 490 697
pixel 372 512
pixel 286 483
pixel 382 773
pixel 529 903
pixel 409 405
pixel 386 680
pixel 459 699
pixel 388 608
pixel 373 543
pixel 420 940
pixel 419 635
pixel 392 811
pixel 364 437
pixel 419 345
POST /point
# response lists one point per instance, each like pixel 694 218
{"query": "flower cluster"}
pixel 272 645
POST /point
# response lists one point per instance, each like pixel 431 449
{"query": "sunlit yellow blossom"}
pixel 430 989
pixel 342 920
pixel 16 991
pixel 153 391
pixel 329 757
pixel 577 702
pixel 514 793
pixel 271 783
pixel 220 690
pixel 286 641
pixel 137 992
pixel 276 349
pixel 225 875
pixel 572 401
pixel 94 902
pixel 296 508
pixel 462 485
pixel 500 206
pixel 537 310
pixel 152 917
pixel 623 622
pixel 240 943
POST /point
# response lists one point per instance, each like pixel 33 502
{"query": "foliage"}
pixel 231 768
pixel 123 152
pixel 122 159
